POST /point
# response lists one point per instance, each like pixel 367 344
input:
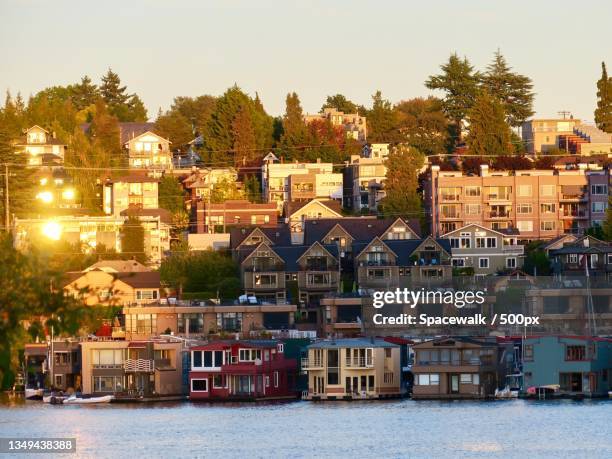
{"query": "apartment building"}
pixel 357 368
pixel 214 218
pixel 541 135
pixel 484 251
pixel 354 125
pixel 130 191
pixel 455 368
pixel 389 264
pixel 41 147
pixel 89 231
pixel 539 204
pixel 132 369
pixel 241 370
pixel 362 178
pixel 283 182
pixel 201 319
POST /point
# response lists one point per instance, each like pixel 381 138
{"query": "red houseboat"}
pixel 241 370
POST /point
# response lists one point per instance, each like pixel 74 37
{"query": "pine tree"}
pixel 84 93
pixel 295 132
pixel 512 89
pixel 382 121
pixel 603 112
pixel 489 134
pixel 132 239
pixel 252 188
pixel 243 133
pixel 111 90
pixel 171 194
pixel 21 183
pixel 459 82
pixel 340 103
pixel 401 183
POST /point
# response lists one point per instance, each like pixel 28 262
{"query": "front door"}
pixel 454 384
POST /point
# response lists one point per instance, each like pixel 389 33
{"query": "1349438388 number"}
pixel 515 319
pixel 13 445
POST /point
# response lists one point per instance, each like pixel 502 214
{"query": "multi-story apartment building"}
pixel 363 177
pixel 200 319
pixel 211 217
pixel 130 191
pixel 578 365
pixel 241 370
pixel 281 182
pixel 88 231
pixel 389 264
pixel 354 125
pixel 358 368
pixel 41 147
pixel 540 204
pixel 453 368
pixel 485 251
pixel 541 135
pixel 376 151
pixel 132 369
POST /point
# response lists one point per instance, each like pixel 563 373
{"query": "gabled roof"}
pixel 353 343
pixel 290 254
pixel 558 239
pixel 463 228
pixel 146 133
pixel 331 204
pixel 141 279
pixel 359 228
pixel 121 266
pixel 36 126
pixel 402 248
pixel 277 235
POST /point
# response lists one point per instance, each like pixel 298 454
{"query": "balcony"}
pixel 513 249
pixel 450 197
pixel 498 197
pixel 139 365
pixel 572 213
pixel 359 362
pixel 374 263
pixel 450 216
pixel 573 197
pixel 312 364
pixel 493 214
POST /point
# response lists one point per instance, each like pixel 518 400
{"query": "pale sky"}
pixel 162 49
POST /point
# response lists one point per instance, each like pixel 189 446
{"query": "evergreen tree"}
pixel 340 103
pixel 295 132
pixel 512 89
pixel 243 133
pixel 13 115
pixel 459 82
pixel 21 183
pixel 105 135
pixel 84 93
pixel 489 134
pixel 401 184
pixel 423 125
pixel 171 194
pixel 124 106
pixel 252 188
pixel 132 239
pixel 186 119
pixel 603 112
pixel 382 121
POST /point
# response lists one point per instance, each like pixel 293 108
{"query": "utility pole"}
pixel 6 198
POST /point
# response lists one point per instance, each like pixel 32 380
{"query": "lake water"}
pixel 404 428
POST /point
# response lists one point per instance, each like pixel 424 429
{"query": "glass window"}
pixel 199 385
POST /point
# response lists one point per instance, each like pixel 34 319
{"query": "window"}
pixel 428 379
pixel 483 263
pixel 463 242
pixel 469 378
pixel 511 262
pixel 146 294
pixel 199 385
pixel 107 383
pixel 573 352
pixel 333 364
pixel 219 381
pixel 253 219
pixel 190 323
pixel 450 193
pixel 524 225
pixel 528 352
pixel 267 381
pixel 547 190
pixel 388 377
pixel 572 258
pixel 59 380
pixel 524 209
pixel 472 209
pixel 281 348
pixel 276 379
pixel 547 226
pixel 229 321
pixel 141 323
pixel 547 208
pixel 486 242
pixel 107 358
pixel 249 355
pixel 598 207
pixel 266 219
pixel 599 189
pixel 264 279
pixel 197 359
pixel 525 191
pixel 458 262
pixel 473 191
pixel 62 358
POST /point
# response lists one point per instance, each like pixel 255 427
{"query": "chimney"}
pixel 484 170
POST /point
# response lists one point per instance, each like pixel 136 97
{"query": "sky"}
pixel 167 48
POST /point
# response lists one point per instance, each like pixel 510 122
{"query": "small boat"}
pixel 33 394
pixel 54 399
pixel 506 393
pixel 74 400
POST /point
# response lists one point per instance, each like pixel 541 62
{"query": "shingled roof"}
pixel 279 235
pixel 360 228
pixel 291 254
pixel 403 248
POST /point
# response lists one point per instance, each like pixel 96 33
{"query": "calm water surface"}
pixel 518 428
